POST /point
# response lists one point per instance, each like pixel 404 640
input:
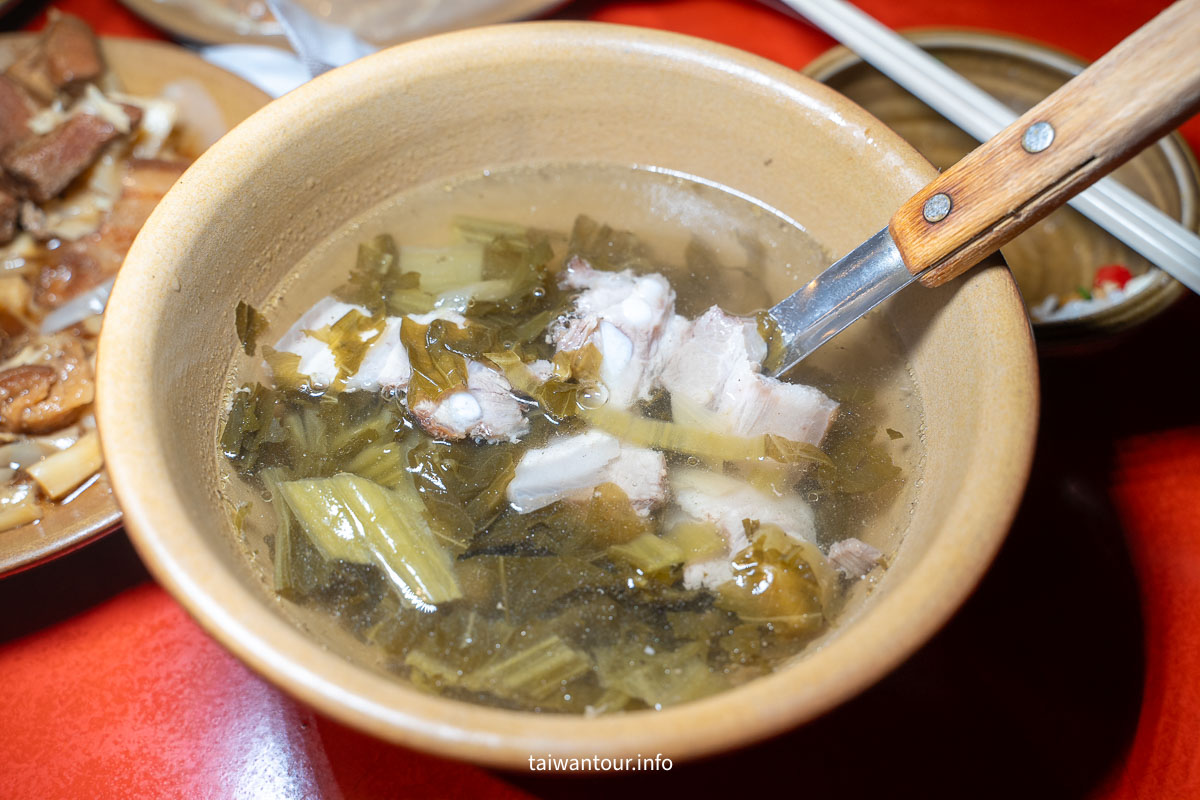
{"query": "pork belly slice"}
pixel 626 317
pixel 78 266
pixel 724 501
pixel 385 365
pixel 854 558
pixel 572 467
pixel 486 410
pixel 716 368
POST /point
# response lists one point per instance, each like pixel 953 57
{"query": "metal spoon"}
pixel 1138 91
pixel 321 45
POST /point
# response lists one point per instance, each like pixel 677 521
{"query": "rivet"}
pixel 937 208
pixel 1037 137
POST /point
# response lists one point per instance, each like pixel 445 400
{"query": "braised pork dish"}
pixel 82 165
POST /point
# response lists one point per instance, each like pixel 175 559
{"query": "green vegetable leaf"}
pixel 536 673
pixel 349 338
pixel 649 553
pixel 659 678
pixel 605 248
pixel 249 426
pixel 250 325
pixel 350 518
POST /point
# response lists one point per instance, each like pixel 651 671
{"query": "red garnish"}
pixel 1113 273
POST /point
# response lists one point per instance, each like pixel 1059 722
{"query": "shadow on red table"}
pixel 58 590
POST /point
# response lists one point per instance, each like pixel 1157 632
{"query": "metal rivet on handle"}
pixel 937 207
pixel 1037 137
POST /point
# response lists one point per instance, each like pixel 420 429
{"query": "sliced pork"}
pixel 385 366
pixel 626 317
pixel 317 360
pixel 714 372
pixel 487 409
pixel 572 467
pixel 725 502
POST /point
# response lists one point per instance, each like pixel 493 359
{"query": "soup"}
pixel 529 458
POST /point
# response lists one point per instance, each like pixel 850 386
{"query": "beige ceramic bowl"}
pixel 295 172
pixel 143 68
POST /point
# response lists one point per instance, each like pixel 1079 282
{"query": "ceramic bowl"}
pixel 143 68
pixel 1061 254
pixel 297 171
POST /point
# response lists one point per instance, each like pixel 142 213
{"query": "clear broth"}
pixel 715 247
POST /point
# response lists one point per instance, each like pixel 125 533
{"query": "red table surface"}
pixel 1073 671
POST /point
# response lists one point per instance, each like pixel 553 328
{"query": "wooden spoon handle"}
pixel 1137 92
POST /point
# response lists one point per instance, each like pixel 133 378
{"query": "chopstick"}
pixel 1137 223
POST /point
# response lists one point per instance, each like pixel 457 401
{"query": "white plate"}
pixel 382 22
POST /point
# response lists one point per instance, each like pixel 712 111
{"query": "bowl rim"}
pixel 387 708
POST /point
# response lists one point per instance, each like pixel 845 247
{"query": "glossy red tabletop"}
pixel 1074 670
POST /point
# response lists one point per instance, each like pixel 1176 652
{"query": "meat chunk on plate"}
pixel 10 207
pixel 487 409
pixel 713 375
pixel 572 467
pixel 66 56
pixel 72 53
pixel 627 317
pixel 725 502
pixel 88 262
pixel 45 165
pixel 46 386
pixel 15 111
